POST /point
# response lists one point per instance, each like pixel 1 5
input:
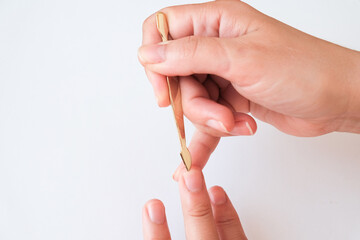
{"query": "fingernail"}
pixel 193 180
pixel 249 128
pixel 241 128
pixel 217 196
pixel 216 125
pixel 156 212
pixel 152 53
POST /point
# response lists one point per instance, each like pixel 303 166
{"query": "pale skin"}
pixel 233 61
pixel 208 214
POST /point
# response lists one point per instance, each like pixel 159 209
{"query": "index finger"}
pixel 151 34
pixel 211 19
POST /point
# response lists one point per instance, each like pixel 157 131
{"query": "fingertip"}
pixel 141 60
pixel 249 121
pixel 217 195
pixel 155 210
pixel 252 129
pixel 154 221
pixel 225 118
pixel 178 172
pixel 193 179
pixel 217 125
pixel 225 216
pixel 244 125
pixel 162 101
pixel 160 87
pixel 150 32
pixel 153 201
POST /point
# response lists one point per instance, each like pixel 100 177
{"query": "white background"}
pixel 83 145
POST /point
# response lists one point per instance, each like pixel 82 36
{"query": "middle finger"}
pixel 198 216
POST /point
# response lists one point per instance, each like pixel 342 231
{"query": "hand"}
pixel 234 60
pixel 207 214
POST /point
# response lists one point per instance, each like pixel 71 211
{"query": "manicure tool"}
pixel 175 94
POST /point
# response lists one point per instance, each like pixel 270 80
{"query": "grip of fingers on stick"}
pixel 174 95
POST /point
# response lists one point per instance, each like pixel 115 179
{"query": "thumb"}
pixel 191 55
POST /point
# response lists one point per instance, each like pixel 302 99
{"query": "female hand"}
pixel 233 60
pixel 207 214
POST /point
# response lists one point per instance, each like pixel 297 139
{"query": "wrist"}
pixel 350 122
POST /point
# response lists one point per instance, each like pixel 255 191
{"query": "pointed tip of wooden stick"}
pixel 186 158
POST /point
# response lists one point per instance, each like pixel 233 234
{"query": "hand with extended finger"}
pixel 208 215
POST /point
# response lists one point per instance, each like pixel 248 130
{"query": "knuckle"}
pixel 189 47
pixel 227 221
pixel 222 50
pixel 240 55
pixel 200 210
